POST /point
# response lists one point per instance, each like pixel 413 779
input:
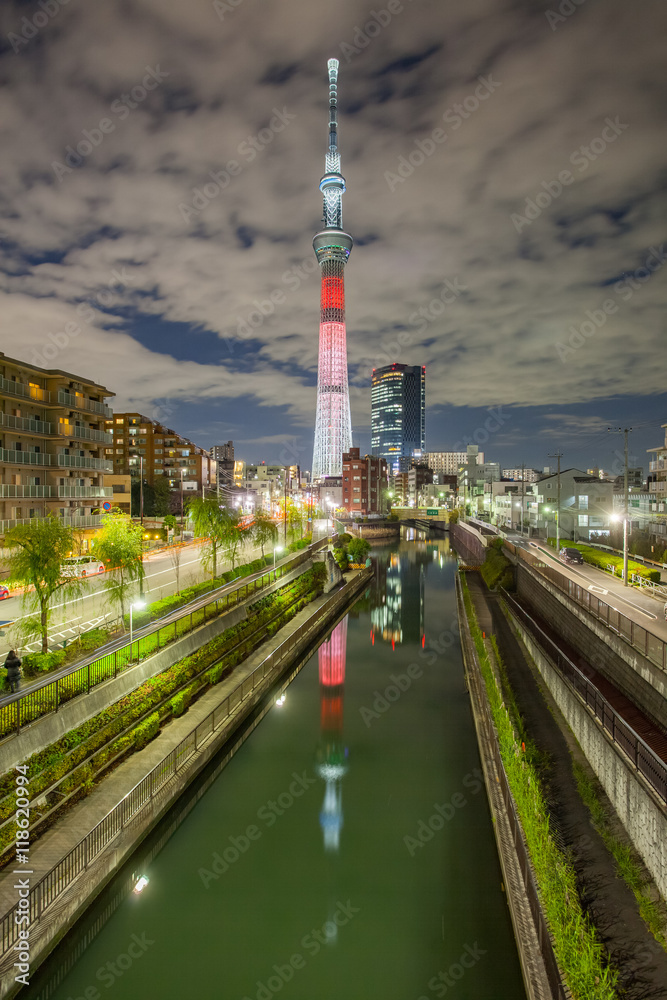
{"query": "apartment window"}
pixel 119 420
pixel 583 520
pixel 159 451
pixel 119 461
pixel 133 431
pixel 583 502
pixel 119 451
pixel 158 461
pixel 356 478
pixel 120 440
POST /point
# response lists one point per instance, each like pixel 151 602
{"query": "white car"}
pixel 82 566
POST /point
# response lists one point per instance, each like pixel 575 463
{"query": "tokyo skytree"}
pixel 332 245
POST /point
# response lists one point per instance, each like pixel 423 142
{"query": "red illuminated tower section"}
pixel 331 765
pixel 332 245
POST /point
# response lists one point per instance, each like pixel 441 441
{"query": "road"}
pixel 638 605
pixel 72 617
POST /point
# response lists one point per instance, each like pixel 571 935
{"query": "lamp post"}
pixel 520 505
pixel 138 605
pixel 546 510
pixel 276 548
pixel 624 519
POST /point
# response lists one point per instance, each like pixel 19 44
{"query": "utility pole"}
pixel 181 504
pixel 558 455
pixel 141 490
pixel 285 510
pixel 626 503
pixel 523 490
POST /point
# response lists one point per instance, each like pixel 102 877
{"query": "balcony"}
pixel 85 491
pixel 82 521
pixel 9 490
pixel 79 462
pixel 27 424
pixel 24 391
pixel 83 403
pixel 79 432
pixel 658 465
pixel 24 457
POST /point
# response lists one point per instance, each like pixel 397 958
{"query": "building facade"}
pixel 364 483
pixel 224 459
pixel 52 455
pixel 586 505
pixel 448 463
pixel 140 442
pixel 398 414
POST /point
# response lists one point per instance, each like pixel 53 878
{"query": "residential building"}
pixel 52 450
pixel 139 442
pixel 528 475
pixel 448 463
pixel 398 414
pixel 224 458
pixel 364 483
pixel 121 497
pixel 635 479
pixel 586 505
pixel 419 475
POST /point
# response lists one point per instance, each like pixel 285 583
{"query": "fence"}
pixel 558 991
pixel 47 696
pixel 649 645
pixel 60 877
pixel 644 759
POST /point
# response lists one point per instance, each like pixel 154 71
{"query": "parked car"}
pixel 571 556
pixel 4 593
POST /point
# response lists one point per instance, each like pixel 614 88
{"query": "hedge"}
pixel 602 559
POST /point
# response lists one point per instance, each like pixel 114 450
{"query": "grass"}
pixel 579 953
pixel 628 864
pixel 603 559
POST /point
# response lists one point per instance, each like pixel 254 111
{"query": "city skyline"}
pixel 129 248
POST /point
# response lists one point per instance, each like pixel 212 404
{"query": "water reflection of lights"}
pixel 142 882
pixel 281 699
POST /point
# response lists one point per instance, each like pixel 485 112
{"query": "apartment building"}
pixel 657 479
pixel 364 483
pixel 140 442
pixel 53 444
pixel 448 463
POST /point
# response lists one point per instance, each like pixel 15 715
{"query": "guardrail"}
pixel 47 696
pixel 640 754
pixel 647 643
pixel 491 739
pixel 58 879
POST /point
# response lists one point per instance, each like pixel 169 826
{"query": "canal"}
pixel 346 849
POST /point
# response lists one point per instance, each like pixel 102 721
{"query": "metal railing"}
pixel 84 433
pixel 24 390
pixel 9 490
pixel 56 881
pixel 647 643
pixel 29 424
pixel 79 462
pixel 552 970
pixel 640 754
pixel 85 491
pixel 24 457
pixel 49 695
pixel 83 403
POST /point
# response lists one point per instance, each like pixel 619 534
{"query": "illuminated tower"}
pixel 332 245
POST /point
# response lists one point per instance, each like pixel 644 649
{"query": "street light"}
pixel 138 605
pixel 546 510
pixel 520 505
pixel 276 548
pixel 624 519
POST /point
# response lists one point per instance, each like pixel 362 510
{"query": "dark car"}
pixel 571 556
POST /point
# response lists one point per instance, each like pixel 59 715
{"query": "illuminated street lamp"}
pixel 276 548
pixel 138 605
pixel 624 519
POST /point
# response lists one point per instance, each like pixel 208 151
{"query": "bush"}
pixel 41 663
pixel 180 701
pixel 497 568
pixel 91 640
pixel 358 549
pixel 146 731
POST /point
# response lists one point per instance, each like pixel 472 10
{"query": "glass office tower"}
pixel 398 414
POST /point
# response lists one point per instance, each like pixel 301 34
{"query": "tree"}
pixel 171 524
pixel 119 545
pixel 264 530
pixel 358 549
pixel 37 553
pixel 161 496
pixel 234 537
pixel 210 522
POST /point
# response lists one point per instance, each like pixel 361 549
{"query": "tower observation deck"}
pixel 332 245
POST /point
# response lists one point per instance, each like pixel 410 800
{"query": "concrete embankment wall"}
pixel 635 676
pixel 52 727
pixel 643 815
pixel 468 542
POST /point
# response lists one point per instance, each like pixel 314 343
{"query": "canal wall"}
pixel 468 542
pixel 70 901
pixel 49 728
pixel 634 675
pixel 374 531
pixel 642 813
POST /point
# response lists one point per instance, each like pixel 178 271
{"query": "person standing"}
pixel 13 668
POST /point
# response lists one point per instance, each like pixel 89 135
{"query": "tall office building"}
pixel 398 414
pixel 332 245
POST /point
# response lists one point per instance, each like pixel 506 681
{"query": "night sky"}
pixel 505 175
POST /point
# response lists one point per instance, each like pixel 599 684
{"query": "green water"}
pixel 322 889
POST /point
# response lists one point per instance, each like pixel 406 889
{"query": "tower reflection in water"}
pixel 332 754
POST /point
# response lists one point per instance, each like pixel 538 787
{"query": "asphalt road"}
pixel 637 605
pixel 93 608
